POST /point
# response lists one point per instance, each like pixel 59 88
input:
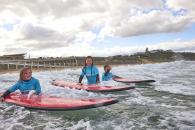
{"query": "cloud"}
pixel 48 25
pixel 13 50
pixel 39 37
pixel 87 49
pixel 115 18
pixel 189 5
pixel 176 45
pixel 39 33
pixel 148 23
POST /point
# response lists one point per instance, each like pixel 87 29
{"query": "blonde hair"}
pixel 22 72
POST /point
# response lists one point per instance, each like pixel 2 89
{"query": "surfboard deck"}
pixel 126 80
pixel 92 88
pixel 45 102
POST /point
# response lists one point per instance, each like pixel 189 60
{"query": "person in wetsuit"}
pixel 26 84
pixel 107 75
pixel 90 71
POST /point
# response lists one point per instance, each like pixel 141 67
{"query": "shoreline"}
pixel 58 69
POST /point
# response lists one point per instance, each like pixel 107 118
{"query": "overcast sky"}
pixel 95 27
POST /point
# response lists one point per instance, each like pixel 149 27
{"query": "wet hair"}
pixel 88 57
pixel 22 72
pixel 106 71
pixel 106 66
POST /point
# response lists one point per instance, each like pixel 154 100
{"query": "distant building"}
pixel 13 57
pixel 147 50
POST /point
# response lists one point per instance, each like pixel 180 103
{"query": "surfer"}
pixel 107 75
pixel 90 71
pixel 26 84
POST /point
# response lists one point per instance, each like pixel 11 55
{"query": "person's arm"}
pixel 97 75
pixel 36 90
pixel 37 87
pixel 115 76
pixel 31 92
pixel 81 78
pixel 97 78
pixel 10 90
pixel 14 87
pixel 6 93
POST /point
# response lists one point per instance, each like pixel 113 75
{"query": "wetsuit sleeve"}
pixel 37 87
pixel 6 93
pixel 80 78
pixel 83 72
pixel 82 75
pixel 14 87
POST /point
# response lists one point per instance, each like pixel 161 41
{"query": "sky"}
pixel 63 28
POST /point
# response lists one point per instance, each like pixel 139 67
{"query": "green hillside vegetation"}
pixel 153 56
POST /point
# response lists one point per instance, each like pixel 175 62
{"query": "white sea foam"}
pixel 81 125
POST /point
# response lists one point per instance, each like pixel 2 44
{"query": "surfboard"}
pixel 92 88
pixel 125 80
pixel 45 102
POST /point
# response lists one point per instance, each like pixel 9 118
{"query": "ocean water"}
pixel 167 104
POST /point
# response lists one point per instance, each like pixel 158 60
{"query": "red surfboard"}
pixel 92 88
pixel 44 102
pixel 125 80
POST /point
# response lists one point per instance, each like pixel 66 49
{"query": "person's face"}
pixel 27 75
pixel 89 61
pixel 108 68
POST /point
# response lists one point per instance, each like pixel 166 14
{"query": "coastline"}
pixel 69 67
pixel 50 64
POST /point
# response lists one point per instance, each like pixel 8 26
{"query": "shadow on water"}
pixel 144 85
pixel 141 85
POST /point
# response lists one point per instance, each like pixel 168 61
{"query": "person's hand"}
pixel 30 94
pixel 2 99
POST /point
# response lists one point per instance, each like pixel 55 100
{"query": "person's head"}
pixel 25 74
pixel 107 68
pixel 88 61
